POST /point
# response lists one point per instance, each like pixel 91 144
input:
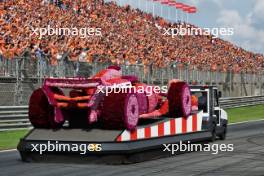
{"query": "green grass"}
pixel 245 113
pixel 10 139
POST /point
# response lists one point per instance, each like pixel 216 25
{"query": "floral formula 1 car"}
pixel 89 102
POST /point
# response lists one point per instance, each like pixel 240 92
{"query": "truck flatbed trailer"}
pixel 114 146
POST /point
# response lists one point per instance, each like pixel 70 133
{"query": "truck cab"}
pixel 215 118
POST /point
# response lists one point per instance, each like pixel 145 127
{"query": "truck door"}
pixel 217 110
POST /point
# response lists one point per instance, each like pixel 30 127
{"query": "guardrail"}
pixel 235 102
pixel 16 117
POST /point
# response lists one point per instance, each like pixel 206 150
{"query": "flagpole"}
pixel 176 15
pixel 146 6
pixel 169 13
pixel 153 8
pixel 182 16
pixel 161 10
pixel 185 16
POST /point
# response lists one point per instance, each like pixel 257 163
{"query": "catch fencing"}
pixel 19 77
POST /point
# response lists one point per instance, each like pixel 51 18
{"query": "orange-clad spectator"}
pixel 128 36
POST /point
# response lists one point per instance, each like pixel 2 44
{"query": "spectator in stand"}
pixel 128 36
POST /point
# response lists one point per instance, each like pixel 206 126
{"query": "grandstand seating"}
pixel 128 36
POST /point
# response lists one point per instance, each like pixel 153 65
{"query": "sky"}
pixel 246 17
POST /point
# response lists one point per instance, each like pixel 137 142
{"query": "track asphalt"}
pixel 246 159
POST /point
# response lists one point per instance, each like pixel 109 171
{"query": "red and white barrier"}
pixel 171 127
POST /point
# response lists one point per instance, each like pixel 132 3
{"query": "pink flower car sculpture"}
pixel 89 102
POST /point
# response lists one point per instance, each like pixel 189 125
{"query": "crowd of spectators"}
pixel 128 36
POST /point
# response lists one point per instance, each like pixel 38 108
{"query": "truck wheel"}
pixel 120 110
pixel 41 113
pixel 213 134
pixel 179 97
pixel 222 136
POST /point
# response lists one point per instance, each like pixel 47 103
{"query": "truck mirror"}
pixel 219 94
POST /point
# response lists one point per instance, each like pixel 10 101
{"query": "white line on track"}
pixel 10 150
pixel 249 121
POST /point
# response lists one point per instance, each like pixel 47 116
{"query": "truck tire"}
pixel 222 136
pixel 120 110
pixel 179 97
pixel 41 113
pixel 213 133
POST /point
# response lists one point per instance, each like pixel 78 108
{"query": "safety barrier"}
pixel 16 117
pixel 235 102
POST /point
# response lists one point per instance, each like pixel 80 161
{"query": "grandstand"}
pixel 128 37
